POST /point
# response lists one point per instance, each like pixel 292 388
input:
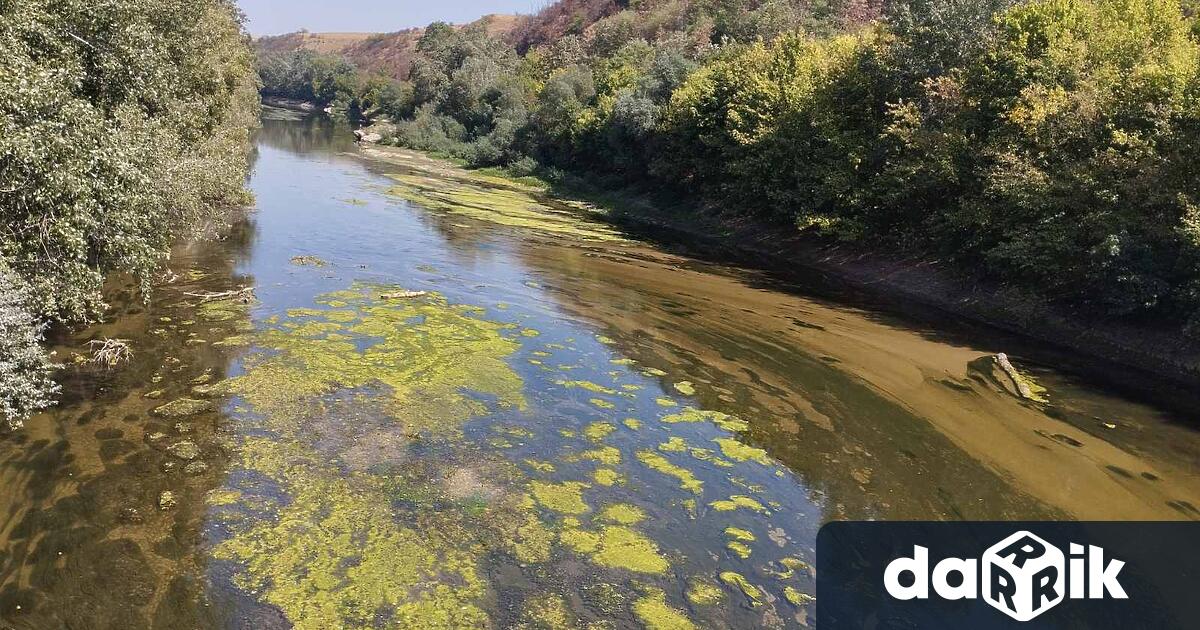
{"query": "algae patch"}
pixel 327 554
pixel 722 420
pixel 687 480
pixel 617 547
pixel 565 498
pixel 429 355
pixel 656 614
pixel 500 204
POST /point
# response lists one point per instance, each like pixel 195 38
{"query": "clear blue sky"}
pixel 272 17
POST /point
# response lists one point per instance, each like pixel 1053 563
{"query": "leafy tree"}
pixel 121 124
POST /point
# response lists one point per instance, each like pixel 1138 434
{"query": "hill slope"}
pixel 390 54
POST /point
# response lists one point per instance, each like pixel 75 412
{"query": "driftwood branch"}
pixel 402 295
pixel 208 296
pixel 1019 381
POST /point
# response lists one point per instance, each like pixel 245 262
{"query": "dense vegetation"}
pixel 122 123
pixel 1051 144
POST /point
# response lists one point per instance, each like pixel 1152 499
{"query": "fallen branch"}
pixel 402 295
pixel 1024 388
pixel 208 296
pixel 111 352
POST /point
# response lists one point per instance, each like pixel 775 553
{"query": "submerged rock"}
pixel 195 468
pixel 308 261
pixel 183 407
pixel 167 500
pixel 186 449
pixel 219 388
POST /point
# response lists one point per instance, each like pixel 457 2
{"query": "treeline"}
pixel 122 123
pixel 1049 144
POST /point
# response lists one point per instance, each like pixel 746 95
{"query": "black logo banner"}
pixel 1027 576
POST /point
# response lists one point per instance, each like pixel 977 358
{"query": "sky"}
pixel 272 17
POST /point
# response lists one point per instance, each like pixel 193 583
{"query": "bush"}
pixel 25 384
pixel 122 124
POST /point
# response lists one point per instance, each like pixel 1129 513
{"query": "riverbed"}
pixel 398 394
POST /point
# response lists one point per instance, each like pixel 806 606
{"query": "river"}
pixel 451 400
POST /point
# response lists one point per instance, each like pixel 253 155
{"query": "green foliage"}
pixel 25 384
pixel 1051 145
pixel 120 124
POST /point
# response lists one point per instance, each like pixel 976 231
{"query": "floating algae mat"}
pixel 402 465
pixel 497 201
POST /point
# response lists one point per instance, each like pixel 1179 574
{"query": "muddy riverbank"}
pixel 1161 351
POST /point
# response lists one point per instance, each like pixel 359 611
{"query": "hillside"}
pixel 390 54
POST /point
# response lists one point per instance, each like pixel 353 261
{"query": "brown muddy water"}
pixel 455 403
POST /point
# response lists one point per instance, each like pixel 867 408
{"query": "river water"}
pixel 454 401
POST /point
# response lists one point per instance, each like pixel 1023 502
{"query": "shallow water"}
pixel 478 407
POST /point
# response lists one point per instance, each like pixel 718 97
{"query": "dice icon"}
pixel 1023 576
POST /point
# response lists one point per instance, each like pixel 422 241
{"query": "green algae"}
pixel 707 455
pixel 499 205
pixel 183 407
pixel 632 423
pixel 617 547
pixel 588 385
pixel 687 480
pixel 222 310
pixel 218 498
pixel 739 582
pixel 607 455
pixel 428 354
pixel 654 372
pixel 686 388
pixel 598 430
pixel 674 445
pixel 702 592
pixel 622 514
pixel 328 558
pixel 532 540
pixel 325 557
pixel 722 420
pixel 546 612
pixel 542 467
pixel 739 534
pixel 796 598
pixel 656 614
pixel 735 502
pixel 607 477
pixel 603 404
pixel 663 401
pixel 740 452
pixel 740 549
pixel 791 566
pixel 565 498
